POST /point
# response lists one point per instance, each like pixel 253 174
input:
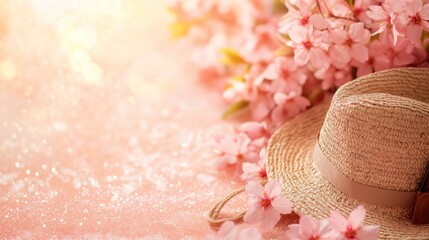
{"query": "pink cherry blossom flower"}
pixel 414 19
pixel 352 227
pixel 261 105
pixel 265 204
pixel 377 61
pixel 309 46
pixel 255 172
pixel 309 228
pixel 400 54
pixel 258 134
pixel 288 105
pixel 301 16
pixel 234 149
pixel 349 45
pixel 261 43
pixel 334 77
pixel 230 231
pixel 385 16
pixel 254 130
pixel 360 7
pixel 284 68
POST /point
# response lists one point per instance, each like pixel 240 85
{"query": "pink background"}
pixel 104 130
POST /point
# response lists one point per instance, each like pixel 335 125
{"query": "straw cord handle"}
pixel 213 215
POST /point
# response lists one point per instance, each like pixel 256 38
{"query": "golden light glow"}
pixel 8 69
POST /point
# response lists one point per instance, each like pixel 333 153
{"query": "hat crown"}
pixel 376 132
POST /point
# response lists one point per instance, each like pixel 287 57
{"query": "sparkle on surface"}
pixel 104 131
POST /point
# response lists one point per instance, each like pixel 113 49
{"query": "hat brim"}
pixel 290 162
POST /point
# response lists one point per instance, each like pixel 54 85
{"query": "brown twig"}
pixel 330 14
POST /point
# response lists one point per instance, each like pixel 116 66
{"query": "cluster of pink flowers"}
pixel 277 59
pixel 266 205
pixel 277 66
pixel 242 152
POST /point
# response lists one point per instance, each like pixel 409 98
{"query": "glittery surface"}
pixel 105 133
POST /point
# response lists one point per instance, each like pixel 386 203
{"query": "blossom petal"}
pixel 270 218
pixel 357 216
pixel 282 204
pixel 382 63
pixel 278 115
pixel 273 188
pixel 368 233
pixel 308 225
pixel 294 232
pixel 363 70
pixel 251 233
pixel 226 228
pixel 413 34
pixel 403 59
pixel 254 189
pixel 359 52
pixel 338 221
pixel 298 34
pixel 252 157
pixel 358 33
pixel 318 21
pixel 376 13
pixel 244 142
pixel 338 36
pixel 260 110
pixel 228 145
pixel 280 98
pixel 253 214
pixel 319 58
pixel 413 6
pixel 339 56
pixel 301 56
pixel 250 168
pixel 424 13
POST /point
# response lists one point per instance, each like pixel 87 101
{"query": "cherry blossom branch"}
pixel 330 14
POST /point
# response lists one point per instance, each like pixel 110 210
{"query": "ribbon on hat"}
pixel 359 191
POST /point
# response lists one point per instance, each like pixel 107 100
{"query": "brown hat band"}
pixel 366 193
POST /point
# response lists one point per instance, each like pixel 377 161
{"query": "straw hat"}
pixel 373 140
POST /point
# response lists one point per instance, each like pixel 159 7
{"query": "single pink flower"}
pixel 255 172
pixel 261 43
pixel 261 105
pixel 230 231
pixel 309 228
pixel 377 61
pixel 334 77
pixel 284 68
pixel 401 53
pixel 309 46
pixel 296 17
pixel 352 227
pixel 254 130
pixel 349 45
pixel 384 15
pixel 414 19
pixel 265 204
pixel 288 105
pixel 258 134
pixel 233 150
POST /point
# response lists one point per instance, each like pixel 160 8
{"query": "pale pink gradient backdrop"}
pixel 104 130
